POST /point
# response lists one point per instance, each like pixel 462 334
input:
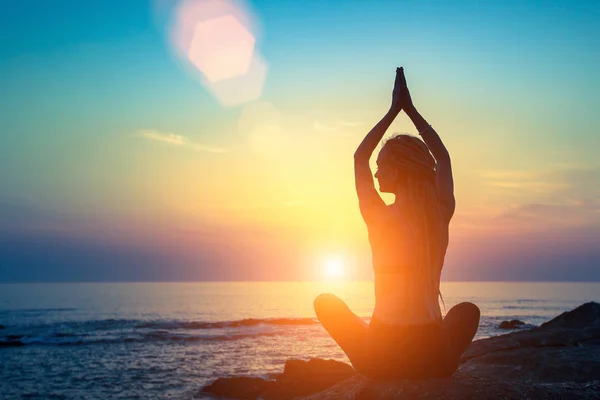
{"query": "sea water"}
pixel 167 340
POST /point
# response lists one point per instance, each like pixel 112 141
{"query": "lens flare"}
pixel 241 89
pixel 225 58
pixel 262 124
pixel 217 38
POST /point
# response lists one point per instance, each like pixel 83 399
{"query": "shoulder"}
pixel 446 210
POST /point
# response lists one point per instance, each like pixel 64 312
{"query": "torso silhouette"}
pixel 399 299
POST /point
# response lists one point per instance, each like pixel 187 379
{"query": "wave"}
pixel 225 324
pixel 531 301
pixel 27 311
pixel 531 308
pixel 68 333
pixel 78 326
pixel 67 339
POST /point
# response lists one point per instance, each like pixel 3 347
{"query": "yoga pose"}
pixel 407 336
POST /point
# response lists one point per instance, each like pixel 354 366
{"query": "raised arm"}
pixel 369 201
pixel 444 181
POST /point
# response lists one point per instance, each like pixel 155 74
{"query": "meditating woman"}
pixel 407 336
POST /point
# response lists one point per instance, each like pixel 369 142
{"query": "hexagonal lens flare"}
pixel 221 48
pixel 241 89
pixel 215 36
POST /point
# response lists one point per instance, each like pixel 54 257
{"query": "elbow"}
pixel 361 155
pixel 442 156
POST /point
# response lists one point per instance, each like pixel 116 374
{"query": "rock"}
pixel 299 378
pixel 464 387
pixel 315 370
pixel 304 377
pixel 582 317
pixel 2 327
pixel 512 324
pixel 572 328
pixel 557 360
pixel 549 364
pixel 238 387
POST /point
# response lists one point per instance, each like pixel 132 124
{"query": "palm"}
pixel 400 96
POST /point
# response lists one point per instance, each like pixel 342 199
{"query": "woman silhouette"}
pixel 407 336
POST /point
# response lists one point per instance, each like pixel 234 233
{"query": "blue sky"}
pixel 511 87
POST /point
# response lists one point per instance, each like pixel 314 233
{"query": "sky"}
pixel 120 162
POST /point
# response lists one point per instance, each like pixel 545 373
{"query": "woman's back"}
pixel 401 294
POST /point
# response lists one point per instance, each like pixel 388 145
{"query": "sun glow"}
pixel 334 268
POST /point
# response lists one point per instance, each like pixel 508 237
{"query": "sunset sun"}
pixel 334 268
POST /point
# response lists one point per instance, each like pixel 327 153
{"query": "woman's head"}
pixel 402 159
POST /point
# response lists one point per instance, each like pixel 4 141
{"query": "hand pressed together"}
pixel 401 95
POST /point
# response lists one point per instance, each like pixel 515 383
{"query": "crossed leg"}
pixel 350 331
pixel 461 324
pixel 346 328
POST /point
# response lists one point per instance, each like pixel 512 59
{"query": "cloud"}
pixel 578 212
pixel 533 181
pixel 332 127
pixel 166 137
pixel 319 127
pixel 530 218
pixel 177 140
pixel 568 254
pixel 561 181
pixel 508 175
pixel 561 196
pixel 207 148
pixel 539 187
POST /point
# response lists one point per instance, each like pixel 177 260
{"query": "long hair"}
pixel 416 172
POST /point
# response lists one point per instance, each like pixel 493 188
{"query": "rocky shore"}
pixel 558 360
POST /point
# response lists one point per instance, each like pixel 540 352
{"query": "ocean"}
pixel 167 340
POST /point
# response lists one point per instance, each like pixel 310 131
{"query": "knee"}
pixel 469 310
pixel 324 302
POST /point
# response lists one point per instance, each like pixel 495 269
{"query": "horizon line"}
pixel 277 281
